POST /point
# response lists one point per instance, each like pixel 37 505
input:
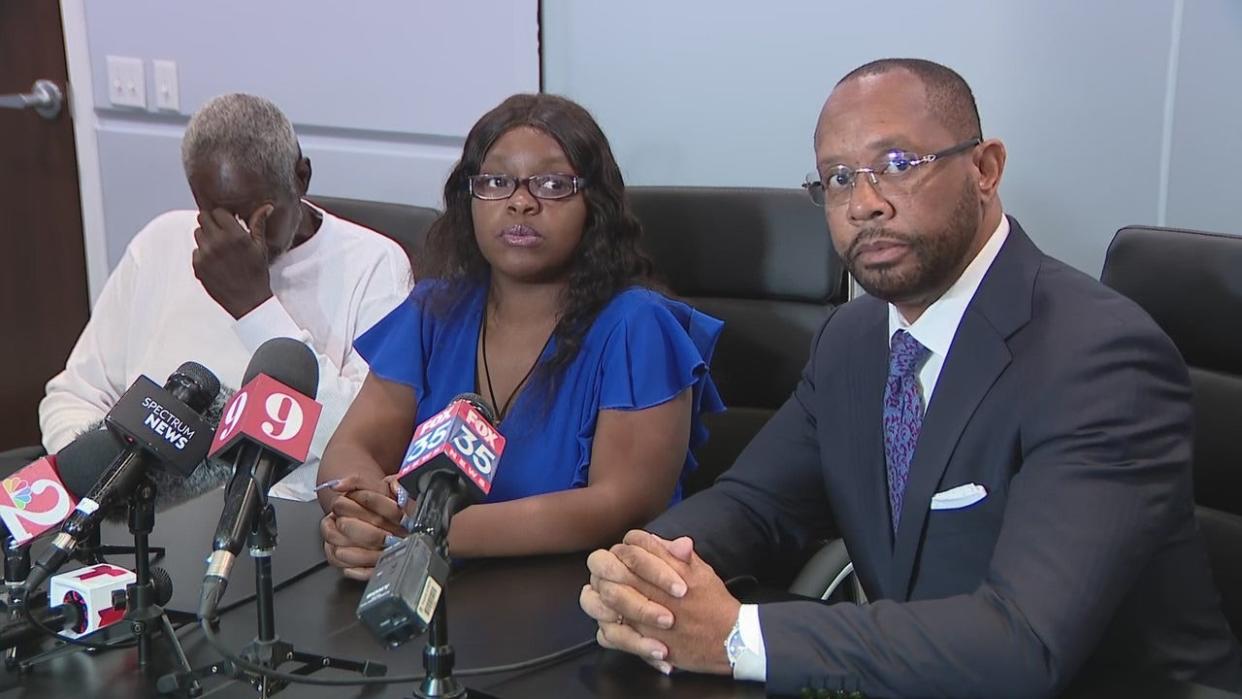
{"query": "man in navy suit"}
pixel 1003 443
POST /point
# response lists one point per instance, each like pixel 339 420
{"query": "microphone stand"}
pixel 91 552
pixel 438 657
pixel 16 568
pixel 438 654
pixel 267 649
pixel 143 597
pixel 16 563
pixel 143 609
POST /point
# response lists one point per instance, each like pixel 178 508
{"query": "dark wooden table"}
pixel 499 612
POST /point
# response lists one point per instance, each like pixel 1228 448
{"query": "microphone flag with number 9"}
pixel 271 414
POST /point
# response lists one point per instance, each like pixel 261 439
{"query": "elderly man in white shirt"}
pixel 255 261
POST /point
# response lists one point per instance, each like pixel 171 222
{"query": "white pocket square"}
pixel 959 497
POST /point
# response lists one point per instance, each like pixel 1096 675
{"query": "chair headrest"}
pixel 1190 282
pixel 747 243
pixel 405 224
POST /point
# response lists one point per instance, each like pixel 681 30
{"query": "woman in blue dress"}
pixel 531 294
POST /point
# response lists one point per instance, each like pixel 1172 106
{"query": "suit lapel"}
pixel 977 358
pixel 868 371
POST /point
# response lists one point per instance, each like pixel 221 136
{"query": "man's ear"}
pixel 990 161
pixel 302 171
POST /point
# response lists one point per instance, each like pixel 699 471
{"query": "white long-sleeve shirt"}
pixel 154 315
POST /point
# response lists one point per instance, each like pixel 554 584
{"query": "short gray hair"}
pixel 247 131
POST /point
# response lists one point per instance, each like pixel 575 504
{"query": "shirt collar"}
pixel 938 324
pixel 310 248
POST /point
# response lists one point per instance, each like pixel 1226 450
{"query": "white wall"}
pixel 726 92
pixel 1205 175
pixel 1115 112
pixel 381 93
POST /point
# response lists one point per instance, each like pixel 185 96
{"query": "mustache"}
pixel 871 235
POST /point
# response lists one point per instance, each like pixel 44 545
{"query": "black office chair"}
pixel 1191 284
pixel 13 459
pixel 761 261
pixel 405 224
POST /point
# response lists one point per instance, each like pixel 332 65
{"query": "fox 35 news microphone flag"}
pixel 162 422
pixel 267 427
pixel 460 440
pixel 450 464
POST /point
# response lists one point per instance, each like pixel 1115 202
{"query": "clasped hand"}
pixel 660 601
pixel 360 522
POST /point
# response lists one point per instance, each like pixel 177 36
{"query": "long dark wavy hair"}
pixel 608 258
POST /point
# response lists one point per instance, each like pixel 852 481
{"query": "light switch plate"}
pixel 166 95
pixel 127 85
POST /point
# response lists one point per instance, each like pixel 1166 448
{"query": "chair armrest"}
pixel 825 574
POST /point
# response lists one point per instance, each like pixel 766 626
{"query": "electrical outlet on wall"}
pixel 166 94
pixel 127 83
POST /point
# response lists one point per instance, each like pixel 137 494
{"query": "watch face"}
pixel 734 645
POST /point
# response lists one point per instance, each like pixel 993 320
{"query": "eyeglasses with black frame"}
pixel 493 187
pixel 891 175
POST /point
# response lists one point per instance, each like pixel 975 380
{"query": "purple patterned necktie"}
pixel 903 415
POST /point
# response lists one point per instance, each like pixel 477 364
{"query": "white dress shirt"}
pixel 935 330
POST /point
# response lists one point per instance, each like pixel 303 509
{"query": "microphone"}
pixel 267 426
pixel 173 487
pixel 42 493
pixel 163 422
pixel 450 463
pixel 56 618
pixel 458 446
pixel 89 598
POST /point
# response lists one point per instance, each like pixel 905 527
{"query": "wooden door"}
pixel 43 291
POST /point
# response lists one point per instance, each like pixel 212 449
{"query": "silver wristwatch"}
pixel 733 645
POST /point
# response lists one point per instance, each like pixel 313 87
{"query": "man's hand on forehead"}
pixel 231 260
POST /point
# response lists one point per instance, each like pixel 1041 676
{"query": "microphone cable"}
pixel 291 678
pixel 27 616
pixel 123 643
pixel 88 645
